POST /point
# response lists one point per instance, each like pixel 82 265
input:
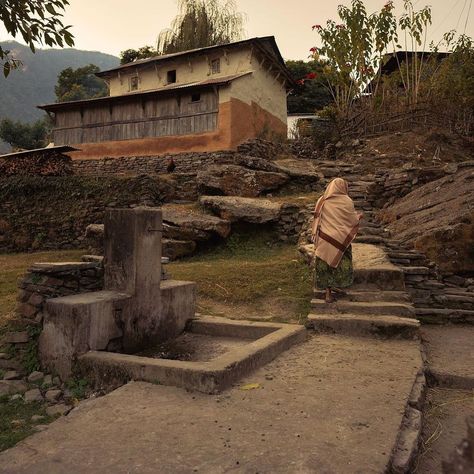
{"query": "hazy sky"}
pixel 114 25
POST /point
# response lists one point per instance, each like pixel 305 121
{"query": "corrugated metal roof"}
pixel 170 88
pixel 165 57
pixel 57 149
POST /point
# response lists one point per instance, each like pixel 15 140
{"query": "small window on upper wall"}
pixel 171 76
pixel 134 83
pixel 195 97
pixel 215 66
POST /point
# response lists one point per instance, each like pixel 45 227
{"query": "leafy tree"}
pixel 24 135
pixel 199 23
pixel 37 22
pixel 312 93
pixel 130 55
pixel 79 84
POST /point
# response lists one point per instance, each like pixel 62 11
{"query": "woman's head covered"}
pixel 337 186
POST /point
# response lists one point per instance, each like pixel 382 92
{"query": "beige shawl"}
pixel 335 223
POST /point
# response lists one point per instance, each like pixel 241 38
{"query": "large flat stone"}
pixel 188 221
pixel 332 405
pixel 233 180
pixel 253 210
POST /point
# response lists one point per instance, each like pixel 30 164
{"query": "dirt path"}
pixel 331 405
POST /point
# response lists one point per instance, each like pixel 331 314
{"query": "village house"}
pixel 206 99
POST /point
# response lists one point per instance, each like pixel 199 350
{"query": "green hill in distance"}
pixel 33 84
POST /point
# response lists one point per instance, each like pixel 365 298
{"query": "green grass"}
pixel 14 266
pixel 248 270
pixel 15 420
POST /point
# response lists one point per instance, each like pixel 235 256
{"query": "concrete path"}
pixel 333 404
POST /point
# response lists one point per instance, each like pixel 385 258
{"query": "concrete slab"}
pixel 450 355
pixel 330 405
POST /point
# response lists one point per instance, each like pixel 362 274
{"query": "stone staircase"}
pixel 434 301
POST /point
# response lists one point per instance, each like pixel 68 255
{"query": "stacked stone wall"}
pixel 51 280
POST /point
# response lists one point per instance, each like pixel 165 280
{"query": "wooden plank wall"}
pixel 138 118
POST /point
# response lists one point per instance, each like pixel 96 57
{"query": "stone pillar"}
pixel 133 266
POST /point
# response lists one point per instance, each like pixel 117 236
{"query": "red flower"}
pixel 311 75
pixel 340 27
pixel 317 27
pixel 314 49
pixel 300 82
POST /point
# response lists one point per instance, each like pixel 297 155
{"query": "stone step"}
pixel 375 308
pixel 445 315
pixel 359 325
pixel 370 239
pixel 416 270
pixel 407 255
pixel 384 278
pixel 369 295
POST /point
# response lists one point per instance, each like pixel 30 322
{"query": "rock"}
pixel 175 249
pixel 19 337
pixel 35 377
pixel 11 375
pixel 4 356
pixel 94 237
pixel 233 180
pixel 186 220
pixel 11 387
pixel 33 395
pixel 251 162
pixel 257 211
pixel 60 409
pixel 17 396
pixel 41 427
pixel 10 364
pixel 299 169
pixel 37 418
pixel 48 380
pixel 53 395
pixel 184 233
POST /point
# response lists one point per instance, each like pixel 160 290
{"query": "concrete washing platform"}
pixel 332 404
pixel 259 344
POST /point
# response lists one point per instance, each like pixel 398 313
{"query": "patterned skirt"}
pixel 326 276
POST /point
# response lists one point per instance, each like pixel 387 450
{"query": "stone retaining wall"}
pixel 292 221
pixel 52 280
pixel 181 163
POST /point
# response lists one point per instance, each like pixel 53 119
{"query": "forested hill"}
pixel 34 82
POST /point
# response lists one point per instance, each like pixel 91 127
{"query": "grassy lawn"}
pixel 248 278
pixel 13 267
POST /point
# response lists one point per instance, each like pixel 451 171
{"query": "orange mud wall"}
pixel 237 122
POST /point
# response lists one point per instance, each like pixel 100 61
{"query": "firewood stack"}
pixel 42 163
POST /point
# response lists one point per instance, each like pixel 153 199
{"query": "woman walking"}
pixel 335 226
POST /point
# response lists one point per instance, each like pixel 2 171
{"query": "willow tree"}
pixel 202 23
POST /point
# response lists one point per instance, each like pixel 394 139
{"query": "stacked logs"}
pixel 43 163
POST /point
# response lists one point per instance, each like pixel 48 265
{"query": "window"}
pixel 134 83
pixel 171 76
pixel 215 66
pixel 195 97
